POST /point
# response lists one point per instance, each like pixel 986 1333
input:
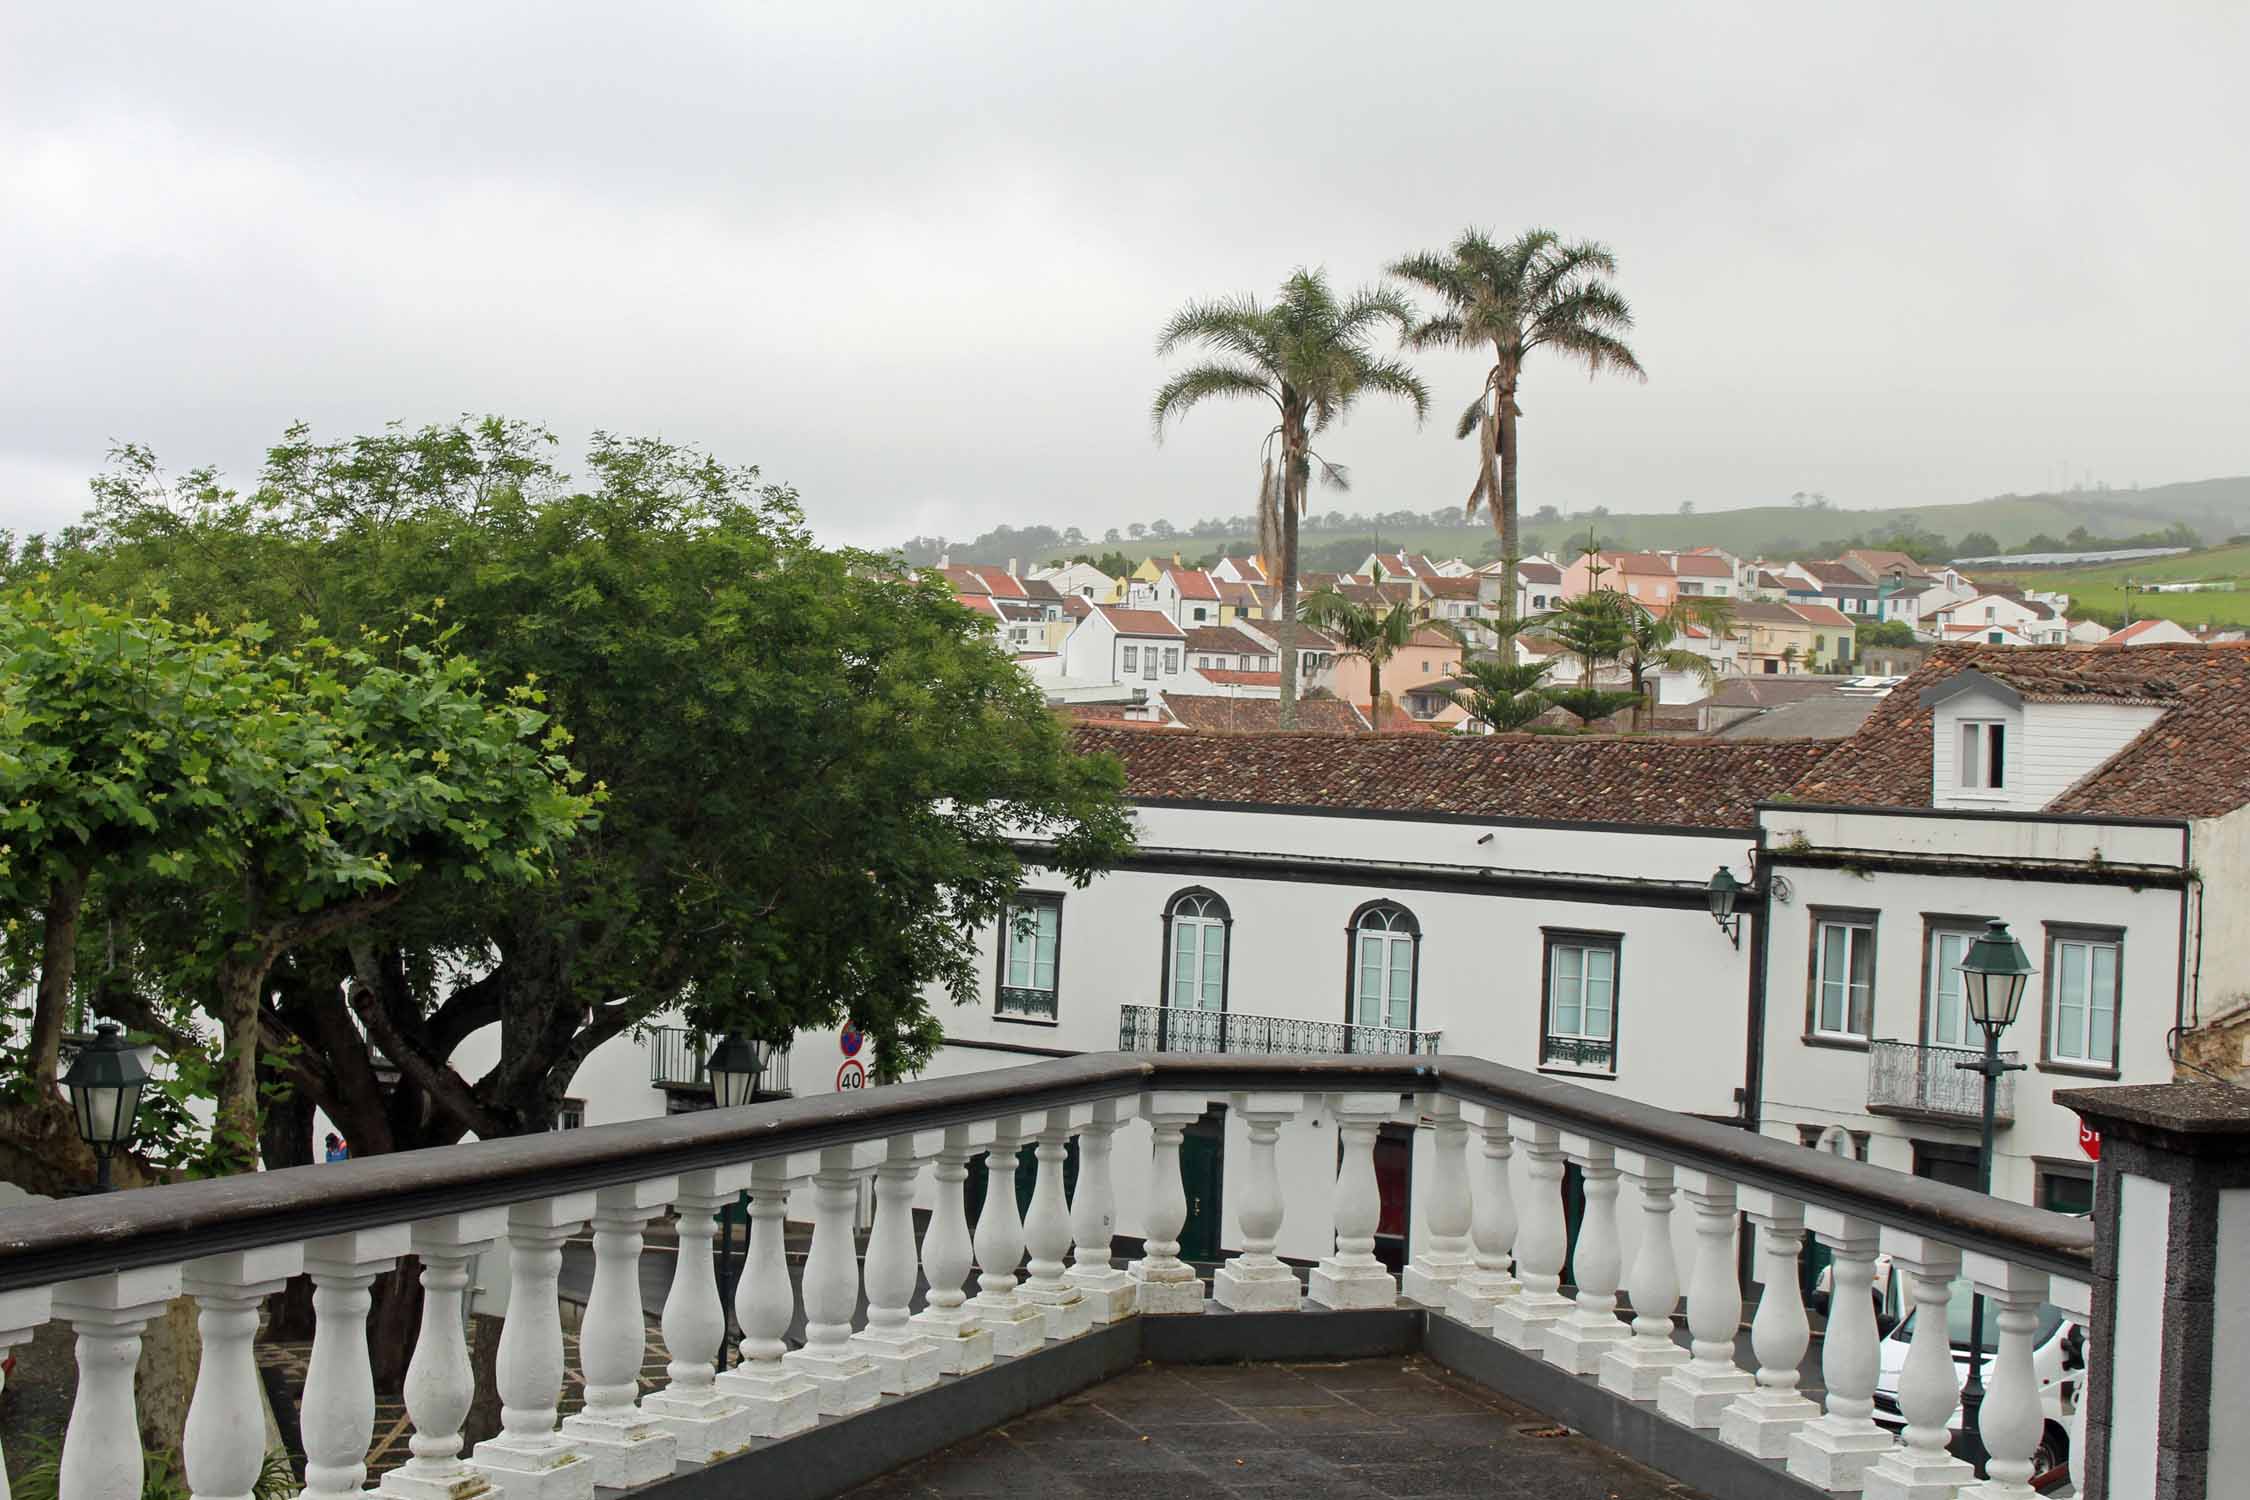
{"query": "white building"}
pixel 1083 580
pixel 1117 645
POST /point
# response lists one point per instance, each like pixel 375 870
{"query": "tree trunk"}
pixel 58 962
pixel 235 1131
pixel 1292 496
pixel 1374 693
pixel 1511 534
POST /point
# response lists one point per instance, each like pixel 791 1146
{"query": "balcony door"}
pixel 1196 928
pixel 1383 953
pixel 1945 1005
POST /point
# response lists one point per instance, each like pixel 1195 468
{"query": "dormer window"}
pixel 1984 755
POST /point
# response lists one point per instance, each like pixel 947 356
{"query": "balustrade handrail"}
pixel 50 1242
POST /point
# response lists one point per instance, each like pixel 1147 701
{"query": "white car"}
pixel 2057 1359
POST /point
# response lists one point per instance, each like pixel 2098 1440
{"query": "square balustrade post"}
pixel 1352 1276
pixel 2010 1419
pixel 1167 1283
pixel 337 1415
pixel 1108 1288
pixel 1442 1255
pixel 1923 1467
pixel 1256 1280
pixel 627 1446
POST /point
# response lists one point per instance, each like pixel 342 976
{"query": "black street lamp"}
pixel 105 1081
pixel 1724 892
pixel 734 1067
pixel 1994 975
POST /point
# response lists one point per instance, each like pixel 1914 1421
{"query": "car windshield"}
pixel 1957 1315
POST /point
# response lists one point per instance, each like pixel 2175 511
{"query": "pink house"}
pixel 1430 657
pixel 1645 576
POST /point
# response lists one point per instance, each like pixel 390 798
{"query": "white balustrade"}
pixel 101 1452
pixel 1109 1289
pixel 1929 1387
pixel 1046 1231
pixel 1635 1368
pixel 529 1459
pixel 1167 1283
pixel 1256 1280
pixel 904 1360
pixel 1760 1422
pixel 2075 1299
pixel 778 1399
pixel 1542 1240
pixel 1699 1392
pixel 2010 1420
pixel 705 1423
pixel 21 1313
pixel 337 1415
pixel 223 1447
pixel 1016 1326
pixel 625 1445
pixel 1577 1340
pixel 1352 1276
pixel 1492 1227
pixel 963 1344
pixel 440 1382
pixel 1835 1452
pixel 1442 1255
pixel 845 1377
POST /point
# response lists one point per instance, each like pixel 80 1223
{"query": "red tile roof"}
pixel 998 581
pixel 1194 583
pixel 1822 615
pixel 1226 677
pixel 1639 562
pixel 1224 638
pixel 1452 588
pixel 1538 572
pixel 1701 565
pixel 1248 566
pixel 1836 573
pixel 1224 714
pixel 981 603
pixel 1138 621
pixel 1568 778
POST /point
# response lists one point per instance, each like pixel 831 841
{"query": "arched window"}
pixel 1385 943
pixel 1196 927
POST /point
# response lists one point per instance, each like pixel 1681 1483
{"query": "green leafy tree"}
pixel 1371 633
pixel 1307 354
pixel 1885 633
pixel 1505 695
pixel 1652 646
pixel 1978 544
pixel 1534 292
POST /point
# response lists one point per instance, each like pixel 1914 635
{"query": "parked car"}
pixel 2058 1360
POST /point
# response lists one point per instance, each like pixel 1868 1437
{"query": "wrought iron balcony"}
pixel 1928 1083
pixel 1164 1028
pixel 1014 1001
pixel 676 1061
pixel 1592 1054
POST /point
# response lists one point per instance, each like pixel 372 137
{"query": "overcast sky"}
pixel 911 259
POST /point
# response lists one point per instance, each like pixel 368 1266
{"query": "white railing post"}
pixel 1015 1325
pixel 904 1360
pixel 1492 1228
pixel 1542 1238
pixel 1835 1452
pixel 1635 1368
pixel 2010 1420
pixel 1352 1276
pixel 1699 1392
pixel 1443 1256
pixel 1760 1422
pixel 101 1452
pixel 963 1345
pixel 626 1446
pixel 779 1400
pixel 2075 1299
pixel 337 1415
pixel 845 1378
pixel 1577 1340
pixel 223 1448
pixel 1929 1387
pixel 1108 1288
pixel 1256 1280
pixel 528 1459
pixel 705 1423
pixel 1047 1231
pixel 1167 1283
pixel 21 1313
pixel 440 1382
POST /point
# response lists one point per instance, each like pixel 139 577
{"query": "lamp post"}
pixel 734 1067
pixel 1724 892
pixel 1994 975
pixel 105 1081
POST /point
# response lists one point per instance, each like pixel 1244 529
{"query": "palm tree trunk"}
pixel 1292 490
pixel 1511 533
pixel 1374 693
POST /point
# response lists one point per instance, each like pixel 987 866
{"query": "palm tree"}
pixel 1503 694
pixel 1371 633
pixel 1649 647
pixel 1535 291
pixel 1308 353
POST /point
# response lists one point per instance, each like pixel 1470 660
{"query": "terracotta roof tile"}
pixel 1214 712
pixel 1138 621
pixel 1224 638
pixel 1228 677
pixel 1701 565
pixel 1451 588
pixel 1834 572
pixel 1538 572
pixel 1194 583
pixel 1822 615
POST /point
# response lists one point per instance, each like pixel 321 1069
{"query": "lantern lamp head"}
pixel 1994 976
pixel 105 1081
pixel 1724 892
pixel 734 1067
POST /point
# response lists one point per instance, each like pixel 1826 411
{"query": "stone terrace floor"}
pixel 1383 1429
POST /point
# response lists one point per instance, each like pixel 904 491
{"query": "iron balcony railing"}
pixel 1594 1054
pixel 1929 1083
pixel 1018 1001
pixel 1163 1028
pixel 676 1055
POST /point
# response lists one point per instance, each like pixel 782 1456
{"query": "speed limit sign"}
pixel 852 1075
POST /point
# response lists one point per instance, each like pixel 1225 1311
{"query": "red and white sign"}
pixel 852 1075
pixel 2089 1140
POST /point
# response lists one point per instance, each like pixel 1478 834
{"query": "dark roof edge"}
pixel 1965 680
pixel 2109 820
pixel 1680 830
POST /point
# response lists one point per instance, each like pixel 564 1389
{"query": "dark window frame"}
pixel 1351 962
pixel 1580 937
pixel 1853 916
pixel 1028 896
pixel 1165 957
pixel 1933 923
pixel 2055 933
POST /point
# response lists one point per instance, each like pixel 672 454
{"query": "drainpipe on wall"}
pixel 1754 1060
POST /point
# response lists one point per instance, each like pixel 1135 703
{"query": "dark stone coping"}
pixel 48 1242
pixel 2196 1118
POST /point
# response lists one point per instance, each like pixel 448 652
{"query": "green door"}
pixel 1202 1173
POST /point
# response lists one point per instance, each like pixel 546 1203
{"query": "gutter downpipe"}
pixel 1754 1061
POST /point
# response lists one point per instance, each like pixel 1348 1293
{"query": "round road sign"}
pixel 850 1040
pixel 852 1075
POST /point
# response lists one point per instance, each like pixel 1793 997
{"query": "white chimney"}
pixel 1012 567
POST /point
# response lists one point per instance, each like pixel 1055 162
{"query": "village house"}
pixel 1429 657
pixel 1704 574
pixel 1082 579
pixel 1645 577
pixel 2031 619
pixel 1777 638
pixel 2151 633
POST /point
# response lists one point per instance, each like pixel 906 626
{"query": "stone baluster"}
pixel 845 1377
pixel 440 1381
pixel 1835 1452
pixel 1577 1341
pixel 21 1313
pixel 779 1400
pixel 1760 1422
pixel 337 1415
pixel 2010 1419
pixel 963 1344
pixel 528 1459
pixel 2075 1299
pixel 626 1446
pixel 1443 1256
pixel 1015 1325
pixel 1109 1289
pixel 101 1452
pixel 1522 1321
pixel 1352 1276
pixel 1635 1368
pixel 1699 1392
pixel 1929 1386
pixel 1046 1231
pixel 1256 1280
pixel 1167 1283
pixel 904 1360
pixel 1492 1228
pixel 223 1448
pixel 705 1423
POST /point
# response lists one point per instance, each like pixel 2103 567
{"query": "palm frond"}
pixel 1200 383
pixel 1390 378
pixel 1236 325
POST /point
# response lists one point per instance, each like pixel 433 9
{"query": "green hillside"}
pixel 2102 592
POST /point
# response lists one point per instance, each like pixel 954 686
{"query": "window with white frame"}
pixel 1581 1020
pixel 1030 956
pixel 1384 937
pixel 1171 659
pixel 1946 1020
pixel 1843 975
pixel 1196 952
pixel 1132 660
pixel 1983 754
pixel 2082 979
